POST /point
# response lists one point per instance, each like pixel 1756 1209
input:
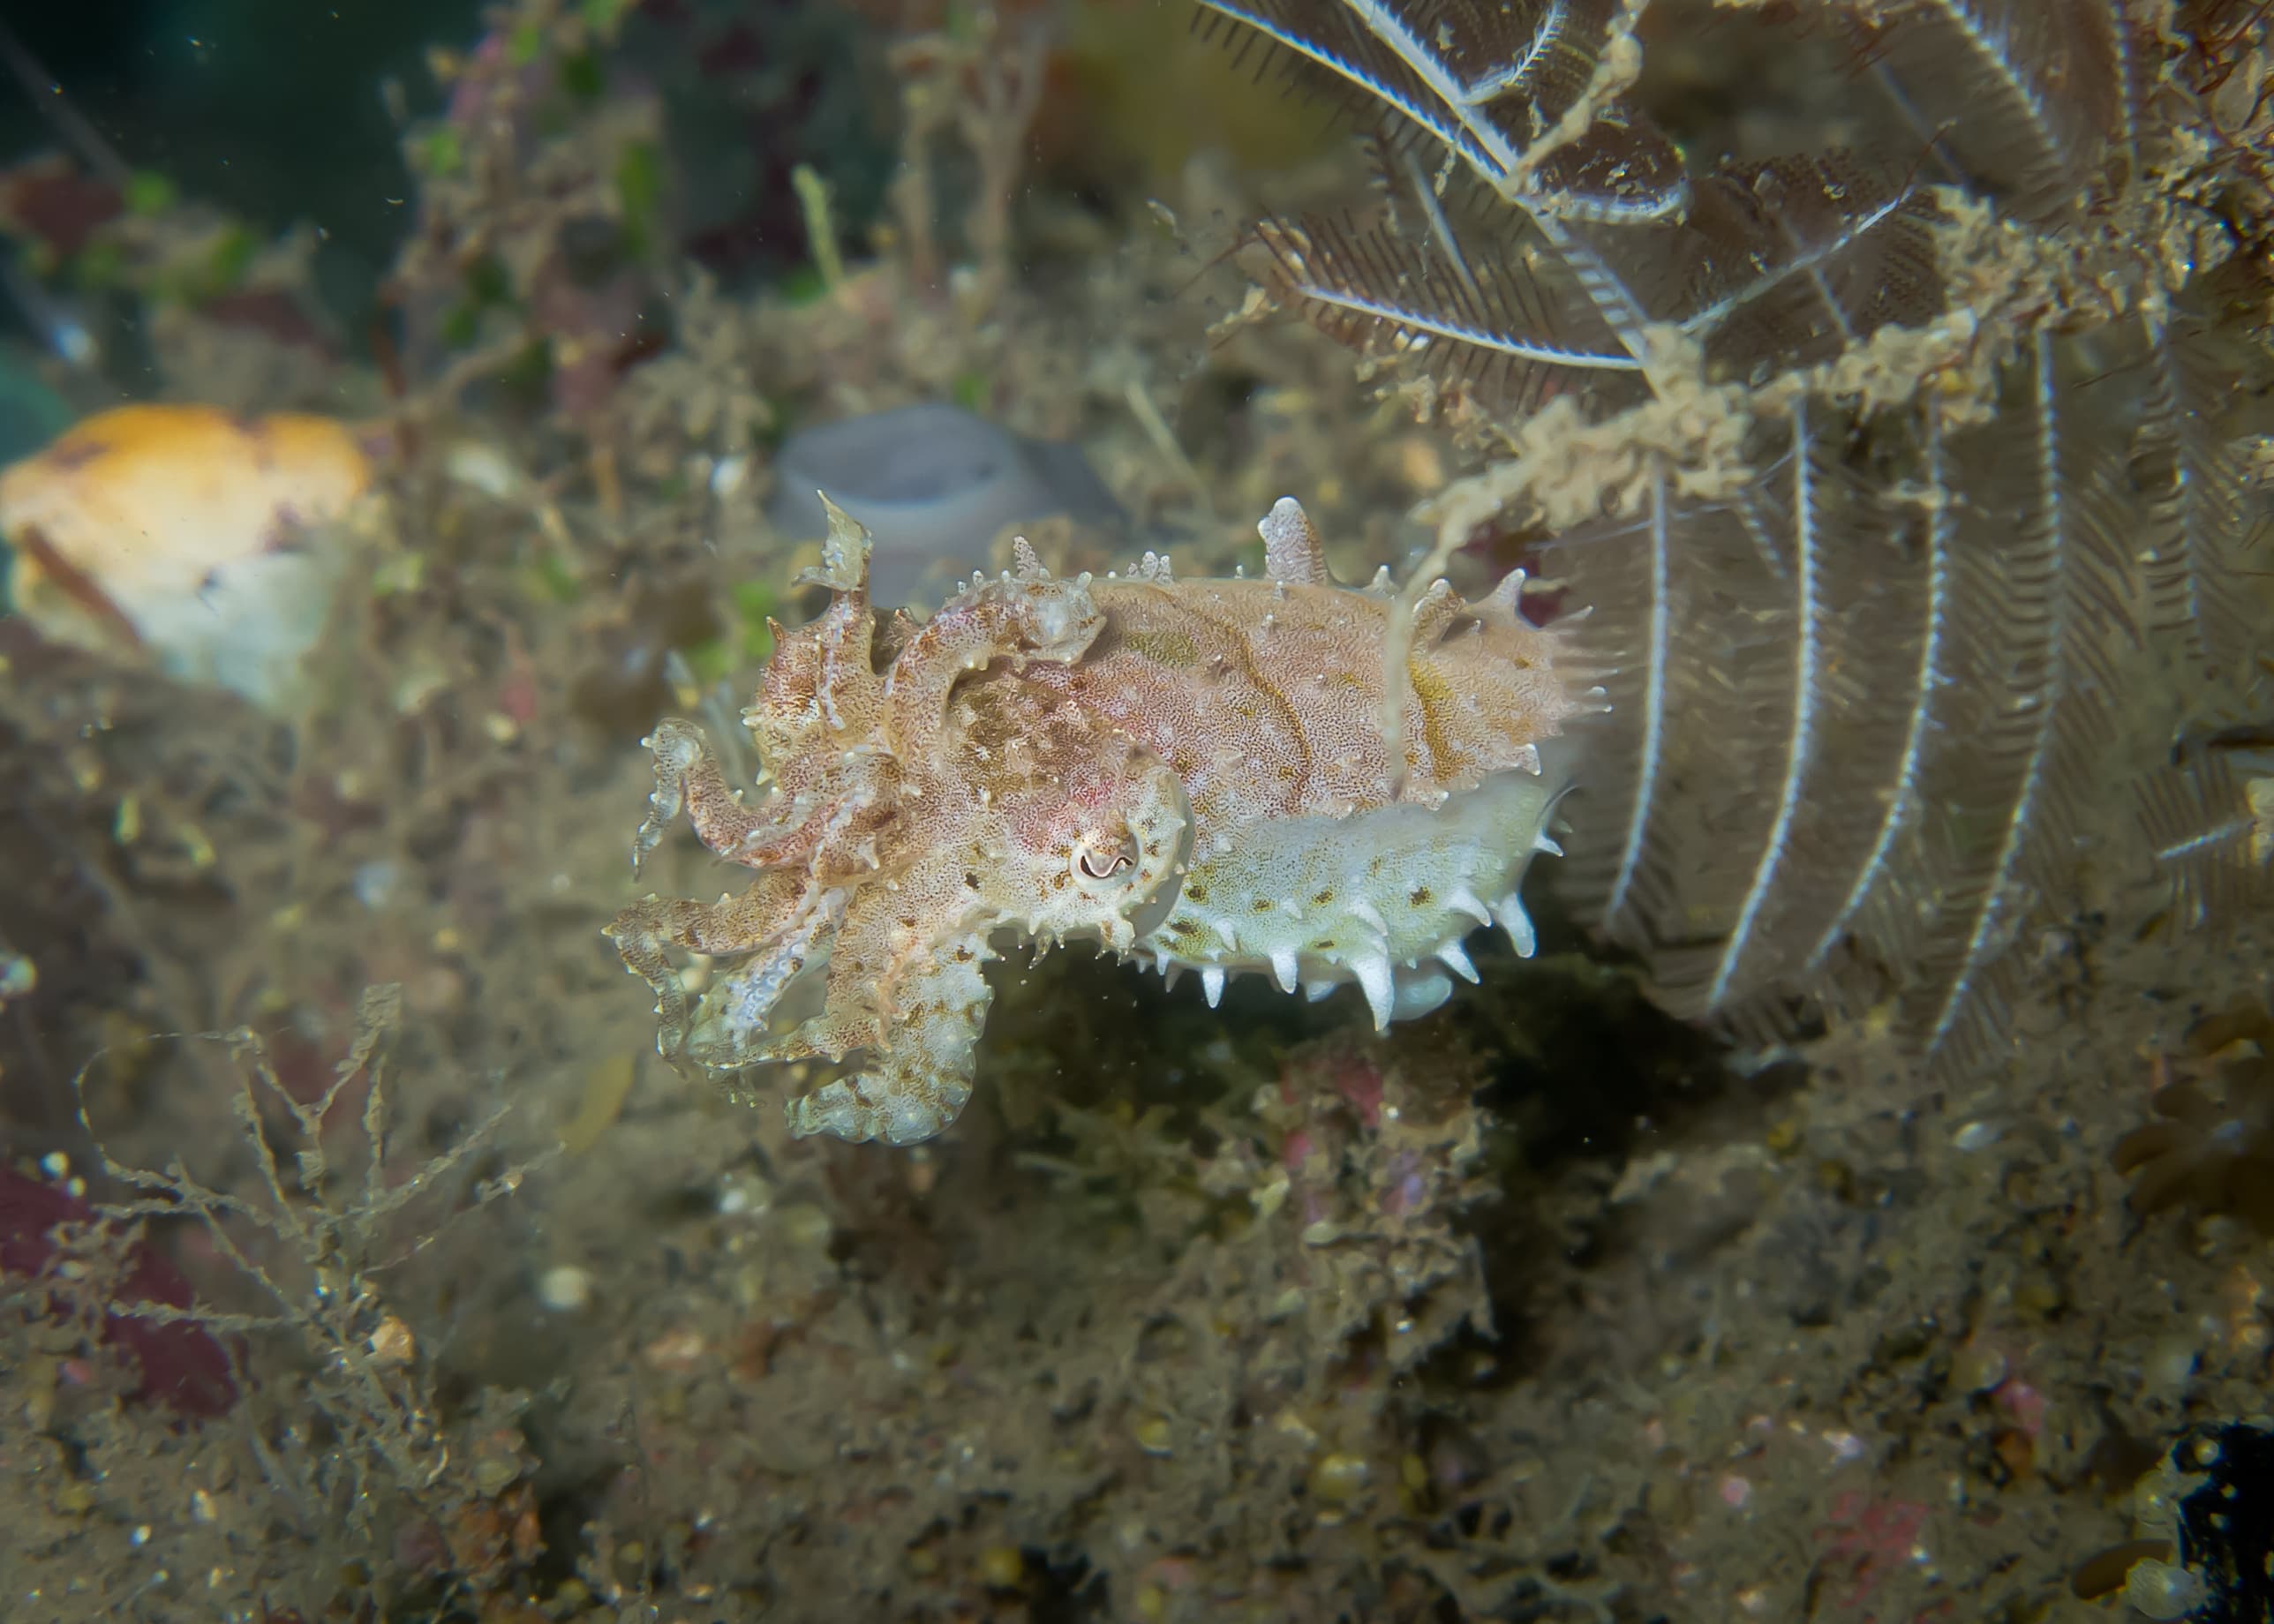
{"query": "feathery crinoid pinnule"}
pixel 1901 472
pixel 1190 773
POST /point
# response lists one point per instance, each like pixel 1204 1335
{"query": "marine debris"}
pixel 200 539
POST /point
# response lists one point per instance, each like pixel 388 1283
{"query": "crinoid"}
pixel 1899 474
pixel 2210 818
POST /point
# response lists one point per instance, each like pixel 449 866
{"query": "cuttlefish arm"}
pixel 1031 615
pixel 689 782
pixel 782 922
pixel 919 1076
pixel 731 1029
pixel 764 917
pixel 904 992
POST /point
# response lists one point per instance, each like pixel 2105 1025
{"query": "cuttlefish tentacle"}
pixel 919 1080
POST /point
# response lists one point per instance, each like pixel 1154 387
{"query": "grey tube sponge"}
pixel 934 484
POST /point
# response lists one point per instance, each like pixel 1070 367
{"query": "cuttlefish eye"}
pixel 1101 858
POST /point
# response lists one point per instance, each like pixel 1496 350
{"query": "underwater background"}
pixel 1838 1185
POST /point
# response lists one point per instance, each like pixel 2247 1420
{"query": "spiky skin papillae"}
pixel 1191 773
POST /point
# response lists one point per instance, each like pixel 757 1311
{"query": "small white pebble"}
pixel 374 883
pixel 1977 1135
pixel 2170 1365
pixel 566 1290
pixel 482 468
pixel 746 1193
